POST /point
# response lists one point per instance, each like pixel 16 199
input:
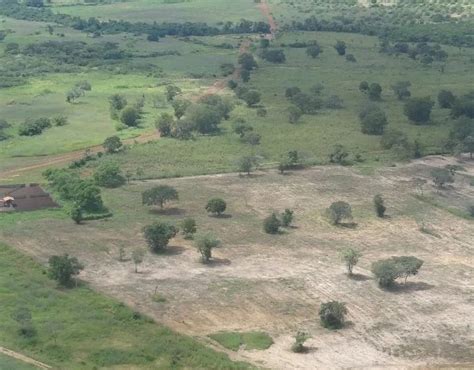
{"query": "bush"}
pixel 379 206
pixel 63 269
pixel 388 270
pixel 60 120
pixel 271 225
pixel 441 177
pixel 418 110
pixel 109 175
pixel 351 58
pixel 373 120
pixel 340 47
pixel 339 211
pixel 287 217
pixel 274 56
pixel 261 112
pixel 159 195
pixel 158 235
pixel 332 314
pixel 205 244
pixel 446 99
pixel 34 127
pixel 189 227
pixel 217 206
pixel 112 144
pixel 164 123
pixel 339 155
pixel 130 116
pixel 375 91
pixel 300 338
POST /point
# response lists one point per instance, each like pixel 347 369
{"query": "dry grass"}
pixel 276 283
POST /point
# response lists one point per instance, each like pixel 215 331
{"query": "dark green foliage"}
pixel 34 127
pixel 340 47
pixel 153 36
pixel 441 177
pixel 188 227
pixel 130 116
pixel 271 225
pixel 223 106
pixel 247 164
pixel 373 120
pixel 364 87
pixel 180 106
pixel 463 106
pixel 117 102
pixel 388 270
pixel 351 58
pixel 339 155
pixel 308 104
pixel 159 195
pixel 204 118
pixel 332 314
pixel 205 244
pixel 290 92
pixel 274 56
pixel 339 211
pixel 251 138
pixel 375 91
pixel 109 175
pixel 232 84
pixel 379 206
pixel 63 269
pixel 76 214
pixel 247 61
pixel 112 144
pixel 418 110
pixel 401 89
pixel 314 50
pixel 287 218
pixel 22 315
pixel 158 235
pixel 245 75
pixel 334 102
pixel 216 206
pixel 446 99
pixel 164 124
pixel 59 120
pixel 294 114
pixel 300 339
pixel 394 138
pixel 252 98
pixel 172 92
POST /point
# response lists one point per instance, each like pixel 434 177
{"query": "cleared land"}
pixel 275 284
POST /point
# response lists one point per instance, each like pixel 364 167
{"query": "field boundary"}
pixel 23 358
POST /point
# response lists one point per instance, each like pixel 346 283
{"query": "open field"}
pixel 80 329
pixel 275 284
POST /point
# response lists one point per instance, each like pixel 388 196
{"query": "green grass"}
pixel 12 364
pixel 251 340
pixel 80 329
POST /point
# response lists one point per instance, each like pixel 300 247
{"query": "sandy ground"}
pixel 276 283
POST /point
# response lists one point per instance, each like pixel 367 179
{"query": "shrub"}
pixel 164 123
pixel 441 177
pixel 332 314
pixel 189 227
pixel 300 339
pixel 446 99
pixel 130 116
pixel 63 269
pixel 340 47
pixel 34 127
pixel 205 244
pixel 418 110
pixel 351 58
pixel 112 144
pixel 271 225
pixel 159 195
pixel 217 206
pixel 350 257
pixel 375 91
pixel 339 211
pixel 60 120
pixel 379 206
pixel 339 155
pixel 109 175
pixel 287 217
pixel 373 120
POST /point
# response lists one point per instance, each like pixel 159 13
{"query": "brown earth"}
pixel 276 283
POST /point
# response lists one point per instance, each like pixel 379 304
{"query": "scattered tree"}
pixel 401 89
pixel 189 227
pixel 441 177
pixel 418 110
pixel 180 106
pixel 205 244
pixel 375 91
pixel 332 314
pixel 287 218
pixel 340 47
pixel 300 338
pixel 252 98
pixel 446 99
pixel 171 92
pixel 117 102
pixel 109 175
pixel 76 214
pixel 379 206
pixel 137 257
pixel 271 224
pixel 130 116
pixel 339 211
pixel 339 155
pixel 294 114
pixel 164 124
pixel 350 256
pixel 373 120
pixel 112 144
pixel 247 164
pixel 158 235
pixel 216 206
pixel 159 195
pixel 63 269
pixel 314 50
pixel 388 270
pixel 364 87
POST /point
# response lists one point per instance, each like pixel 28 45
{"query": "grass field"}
pixel 12 364
pixel 80 329
pixel 275 284
pixel 209 11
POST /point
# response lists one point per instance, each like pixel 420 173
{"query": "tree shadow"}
pixel 359 277
pixel 171 250
pixel 173 211
pixel 251 175
pixel 409 286
pixel 223 215
pixel 216 262
pixel 348 225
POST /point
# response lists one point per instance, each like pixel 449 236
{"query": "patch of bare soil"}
pixel 276 283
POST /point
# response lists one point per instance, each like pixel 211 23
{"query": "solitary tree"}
pixel 332 314
pixel 137 257
pixel 216 206
pixel 117 102
pixel 159 195
pixel 313 51
pixel 340 47
pixel 130 116
pixel 338 155
pixel 408 266
pixel 418 110
pixel 373 120
pixel 76 213
pixel 350 257
pixel 252 98
pixel 300 338
pixel 205 244
pixel 158 235
pixel 171 92
pixel 339 211
pixel 63 269
pixel 109 175
pixel 287 217
pixel 271 225
pixel 112 144
pixel 375 91
pixel 164 124
pixel 189 227
pixel 379 206
pixel 247 164
pixel 446 99
pixel 386 272
pixel 441 177
pixel 401 89
pixel 364 87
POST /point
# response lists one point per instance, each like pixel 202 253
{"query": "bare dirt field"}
pixel 276 283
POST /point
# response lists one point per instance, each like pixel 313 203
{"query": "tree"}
pixel 468 145
pixel 294 114
pixel 245 75
pixel 153 36
pixel 350 256
pixel 130 116
pixel 217 206
pixel 386 272
pixel 446 99
pixel 314 50
pixel 394 138
pixel 22 315
pixel 247 61
pixel 171 92
pixel 76 214
pixel 271 224
pixel 117 102
pixel 251 138
pixel 287 217
pixel 109 175
pixel 74 94
pixel 112 144
pixel 441 177
pixel 339 155
pixel 87 196
pixel 164 123
pixel 408 266
pixel 205 244
pixel 241 128
pixel 159 195
pixel 375 91
pixel 339 211
pixel 401 89
pixel 137 257
pixel 340 47
pixel 364 87
pixel 189 227
pixel 373 120
pixel 332 314
pixel 158 235
pixel 63 269
pixel 252 98
pixel 300 338
pixel 418 110
pixel 180 106
pixel 204 118
pixel 379 206
pixel 247 164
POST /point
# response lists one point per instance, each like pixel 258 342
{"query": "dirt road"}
pixel 23 358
